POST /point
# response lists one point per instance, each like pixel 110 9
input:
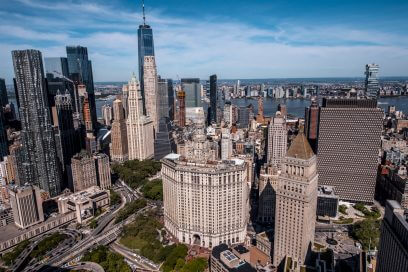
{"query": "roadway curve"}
pixel 89 266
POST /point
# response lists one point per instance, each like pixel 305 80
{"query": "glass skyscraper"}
pixel 192 88
pixel 213 98
pixel 3 93
pixel 372 85
pixel 56 67
pixel 145 48
pixel 80 70
pixel 39 157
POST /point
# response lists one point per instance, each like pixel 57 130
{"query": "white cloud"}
pixel 203 46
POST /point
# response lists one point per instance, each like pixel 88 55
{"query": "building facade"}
pixel 139 127
pixel 205 204
pixel 296 200
pixel 268 182
pixel 107 115
pixel 192 89
pixel 119 142
pixel 213 98
pixel 348 146
pixel 26 203
pixel 151 90
pixel 83 172
pixel 393 248
pixel 277 140
pixel 372 85
pixel 40 163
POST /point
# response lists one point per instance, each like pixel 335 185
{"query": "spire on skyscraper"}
pixel 144 16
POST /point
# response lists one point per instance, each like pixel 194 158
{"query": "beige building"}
pixel 103 171
pixel 296 200
pixel 83 171
pixel 119 142
pixel 26 203
pixel 84 203
pixel 151 89
pixel 139 127
pixel 277 140
pixel 268 182
pixel 205 204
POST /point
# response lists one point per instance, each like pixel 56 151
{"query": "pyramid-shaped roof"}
pixel 300 148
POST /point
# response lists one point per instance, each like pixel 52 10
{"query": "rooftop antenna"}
pixel 144 17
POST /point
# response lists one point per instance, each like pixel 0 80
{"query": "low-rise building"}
pixel 84 203
pixel 327 201
pixel 224 260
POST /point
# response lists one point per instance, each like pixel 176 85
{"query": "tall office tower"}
pixel 283 110
pixel 228 113
pixel 181 97
pixel 196 211
pixel 27 205
pixel 213 98
pixel 125 95
pixel 90 139
pixel 349 140
pixel 3 136
pixel 312 124
pixel 268 182
pixel 56 67
pixel 83 172
pixel 192 89
pixel 393 248
pixel 16 160
pixel 107 115
pixel 244 117
pixel 277 140
pixel 163 106
pixel 65 131
pixel 103 172
pixel 3 93
pixel 296 200
pixel 145 48
pixel 39 153
pixel 170 96
pixel 80 71
pixel 372 86
pixel 139 127
pixel 164 142
pixel 151 89
pixel 119 142
pixel 226 145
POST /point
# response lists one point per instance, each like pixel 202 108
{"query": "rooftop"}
pixel 300 148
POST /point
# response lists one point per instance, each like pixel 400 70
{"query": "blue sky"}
pixel 233 38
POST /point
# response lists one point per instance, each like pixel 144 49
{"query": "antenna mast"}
pixel 144 17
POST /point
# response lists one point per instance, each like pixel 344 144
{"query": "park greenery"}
pixel 136 173
pixel 367 232
pixel 47 244
pixel 114 198
pixel 93 224
pixel 143 236
pixel 153 190
pixel 110 261
pixel 129 209
pixel 344 221
pixel 9 257
pixel 372 213
pixel 343 209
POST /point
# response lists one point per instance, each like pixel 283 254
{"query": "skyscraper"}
pixel 260 116
pixel 83 172
pixel 312 123
pixel 56 67
pixel 80 71
pixel 103 172
pixel 393 248
pixel 296 200
pixel 163 107
pixel 107 114
pixel 372 86
pixel 164 142
pixel 181 97
pixel 151 90
pixel 3 93
pixel 40 164
pixel 213 98
pixel 192 89
pixel 119 143
pixel 170 96
pixel 277 140
pixel 145 48
pixel 65 132
pixel 268 182
pixel 139 127
pixel 349 140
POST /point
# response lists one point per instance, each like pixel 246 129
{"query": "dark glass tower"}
pixel 80 70
pixel 145 48
pixel 170 97
pixel 213 98
pixel 3 93
pixel 40 162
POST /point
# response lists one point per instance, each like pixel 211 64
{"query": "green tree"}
pixel 367 232
pixel 114 198
pixel 9 257
pixel 196 265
